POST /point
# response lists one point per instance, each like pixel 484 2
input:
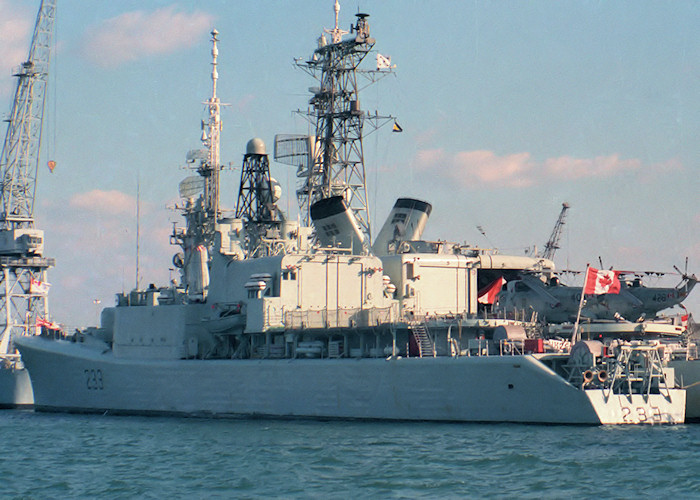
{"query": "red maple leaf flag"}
pixel 488 294
pixel 600 281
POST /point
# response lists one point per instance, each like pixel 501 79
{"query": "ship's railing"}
pixel 630 369
pixel 684 352
pixel 678 351
pixel 505 347
pixel 512 314
pixel 638 370
pixel 478 347
pixel 27 262
pixel 324 347
pixel 337 318
pixel 511 347
pixel 321 318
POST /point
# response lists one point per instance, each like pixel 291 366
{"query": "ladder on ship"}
pixel 426 347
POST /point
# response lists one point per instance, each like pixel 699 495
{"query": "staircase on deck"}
pixel 426 347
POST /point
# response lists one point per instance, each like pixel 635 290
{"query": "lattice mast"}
pixel 338 167
pixel 257 202
pixel 552 244
pixel 20 154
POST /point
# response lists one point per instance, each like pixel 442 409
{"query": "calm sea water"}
pixel 60 456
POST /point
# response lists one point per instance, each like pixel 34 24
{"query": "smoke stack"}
pixel 336 225
pixel 406 222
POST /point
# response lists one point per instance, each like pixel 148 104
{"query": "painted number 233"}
pixel 93 379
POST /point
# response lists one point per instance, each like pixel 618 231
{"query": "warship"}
pixel 311 318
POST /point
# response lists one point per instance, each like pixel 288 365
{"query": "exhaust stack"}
pixel 406 222
pixel 336 225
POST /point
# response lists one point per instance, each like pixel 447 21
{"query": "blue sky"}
pixel 508 110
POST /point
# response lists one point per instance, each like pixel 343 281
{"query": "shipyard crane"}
pixel 23 287
pixel 553 243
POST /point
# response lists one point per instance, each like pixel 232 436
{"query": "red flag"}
pixel 39 287
pixel 488 295
pixel 42 322
pixel 600 281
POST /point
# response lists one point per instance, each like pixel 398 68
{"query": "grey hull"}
pixel 77 378
pixel 688 374
pixel 15 388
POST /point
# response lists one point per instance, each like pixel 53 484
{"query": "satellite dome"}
pixel 276 190
pixel 255 146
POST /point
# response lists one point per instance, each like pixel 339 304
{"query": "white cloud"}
pixel 138 34
pixel 569 168
pixel 15 36
pixel 478 167
pixel 105 202
pixel 486 168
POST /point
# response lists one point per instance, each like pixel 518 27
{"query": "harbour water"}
pixel 89 456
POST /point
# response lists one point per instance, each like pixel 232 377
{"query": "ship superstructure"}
pixel 284 318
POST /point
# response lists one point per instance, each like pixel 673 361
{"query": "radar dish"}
pixel 293 149
pixel 276 193
pixel 197 154
pixel 191 186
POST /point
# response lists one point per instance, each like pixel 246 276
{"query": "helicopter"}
pixel 557 303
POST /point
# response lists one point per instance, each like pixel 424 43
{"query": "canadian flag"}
pixel 488 295
pixel 45 323
pixel 600 281
pixel 40 287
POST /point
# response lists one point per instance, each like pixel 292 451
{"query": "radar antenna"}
pixel 203 213
pixel 211 169
pixel 201 207
pixel 336 166
pixel 23 286
pixel 552 244
pixel 336 33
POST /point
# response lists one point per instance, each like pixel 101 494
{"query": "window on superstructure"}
pixel 331 229
pixel 398 218
pixel 409 271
